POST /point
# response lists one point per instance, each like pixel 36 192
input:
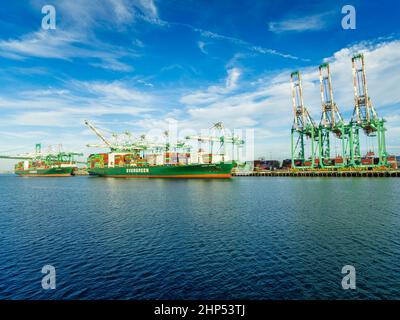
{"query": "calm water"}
pixel 248 238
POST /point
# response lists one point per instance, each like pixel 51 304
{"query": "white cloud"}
pixel 232 79
pixel 86 14
pixel 58 44
pixel 249 46
pixel 149 8
pixel 307 23
pixel 145 83
pixel 201 45
pixel 65 45
pixel 213 93
pixel 114 65
pixel 45 118
pixel 236 41
pixel 115 91
pixel 67 107
pixel 75 38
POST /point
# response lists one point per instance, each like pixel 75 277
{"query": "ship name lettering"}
pixel 137 170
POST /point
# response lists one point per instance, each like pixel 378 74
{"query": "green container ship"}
pixel 221 170
pixel 145 159
pixel 45 172
pixel 38 164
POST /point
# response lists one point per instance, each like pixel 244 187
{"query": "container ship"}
pixel 145 159
pixel 38 164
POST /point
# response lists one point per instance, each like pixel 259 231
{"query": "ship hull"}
pixel 209 171
pixel 50 172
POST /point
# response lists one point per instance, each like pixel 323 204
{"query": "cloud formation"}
pixel 75 36
pixel 308 23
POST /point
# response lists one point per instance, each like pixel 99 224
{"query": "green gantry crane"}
pixel 48 158
pixel 365 118
pixel 332 127
pixel 304 128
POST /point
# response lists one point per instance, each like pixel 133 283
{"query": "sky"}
pixel 140 65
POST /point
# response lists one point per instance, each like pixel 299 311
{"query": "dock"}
pixel 319 173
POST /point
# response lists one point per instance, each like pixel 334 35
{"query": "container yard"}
pixel 319 173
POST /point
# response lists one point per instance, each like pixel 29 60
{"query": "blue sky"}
pixel 138 65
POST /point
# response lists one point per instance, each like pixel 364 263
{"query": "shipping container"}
pixel 367 161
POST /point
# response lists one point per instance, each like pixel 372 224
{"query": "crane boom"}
pixel 227 139
pixel 16 157
pixel 90 145
pixel 98 133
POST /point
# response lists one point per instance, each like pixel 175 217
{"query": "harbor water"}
pixel 243 238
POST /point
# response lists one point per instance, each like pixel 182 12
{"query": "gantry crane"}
pixel 217 135
pixel 303 125
pixel 99 134
pixel 136 146
pixel 37 154
pixel 364 116
pixel 364 120
pixel 331 125
pixel 48 157
pixel 114 147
